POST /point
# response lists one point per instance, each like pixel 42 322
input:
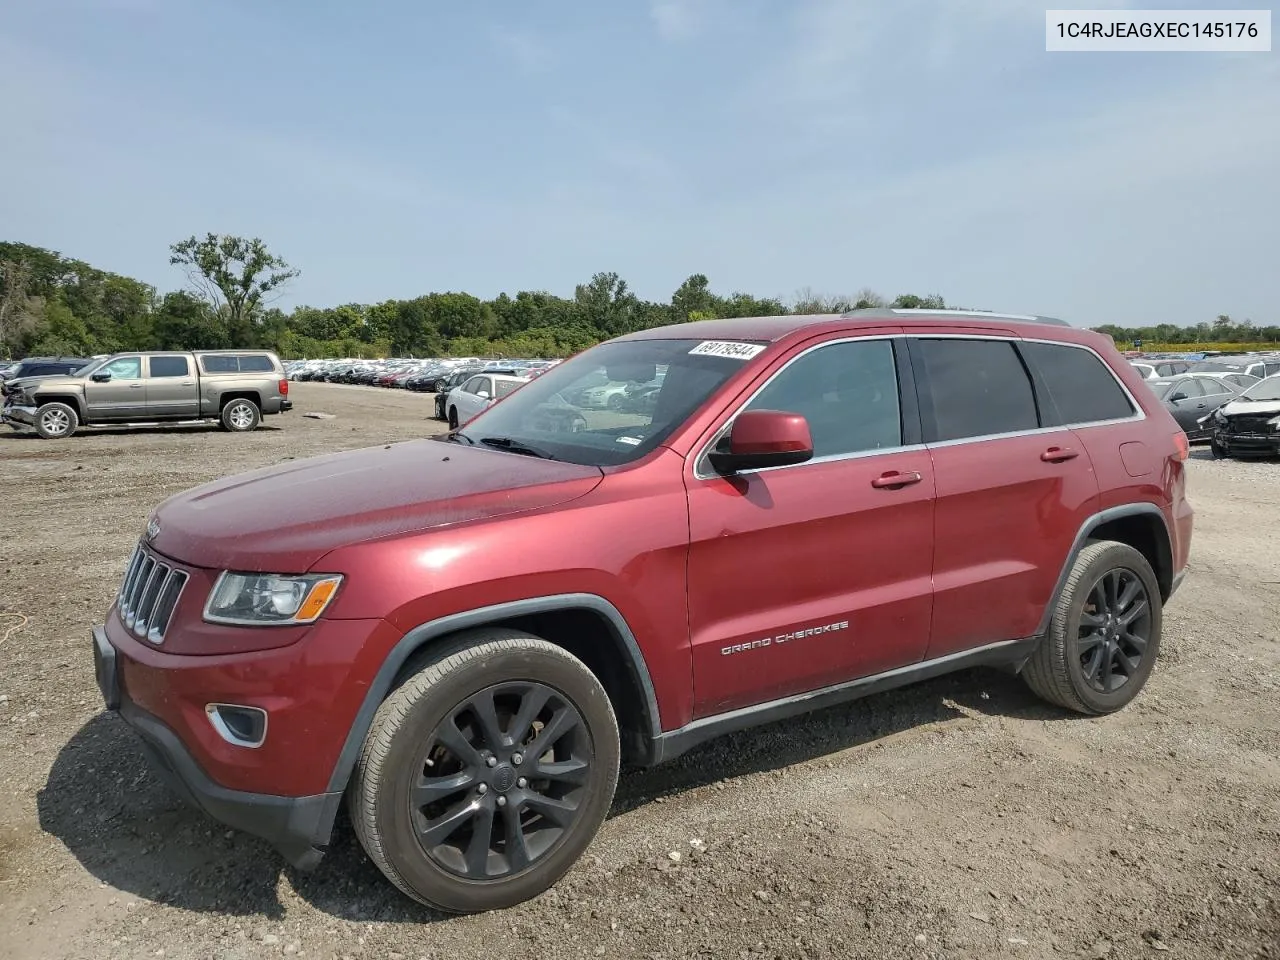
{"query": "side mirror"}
pixel 765 438
pixel 1177 398
pixel 102 377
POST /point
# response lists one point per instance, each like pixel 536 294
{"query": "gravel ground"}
pixel 958 818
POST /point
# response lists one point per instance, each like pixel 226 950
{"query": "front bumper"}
pixel 1247 444
pixel 19 414
pixel 299 827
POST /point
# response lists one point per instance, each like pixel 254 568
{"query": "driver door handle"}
pixel 1058 454
pixel 894 479
pixel 135 386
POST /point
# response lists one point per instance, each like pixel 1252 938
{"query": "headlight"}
pixel 268 599
pixel 1274 422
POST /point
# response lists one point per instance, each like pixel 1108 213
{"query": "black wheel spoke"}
pixel 531 705
pixel 513 838
pixel 1128 594
pixel 450 736
pixel 1128 665
pixel 1093 668
pixel 481 841
pixel 440 829
pixel 563 771
pixel 434 789
pixel 561 722
pixel 1091 620
pixel 1134 641
pixel 487 714
pixel 559 812
pixel 1138 608
pixel 1091 640
pixel 1105 673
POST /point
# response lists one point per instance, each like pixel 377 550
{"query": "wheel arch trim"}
pixel 420 636
pixel 1082 536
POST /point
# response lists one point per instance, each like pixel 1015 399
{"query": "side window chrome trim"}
pixel 701 470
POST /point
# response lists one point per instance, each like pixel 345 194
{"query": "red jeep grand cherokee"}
pixel 463 637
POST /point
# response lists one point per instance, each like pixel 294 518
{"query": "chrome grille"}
pixel 149 594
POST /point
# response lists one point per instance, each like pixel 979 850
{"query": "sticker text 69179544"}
pixel 726 348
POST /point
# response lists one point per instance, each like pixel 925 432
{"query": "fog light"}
pixel 241 726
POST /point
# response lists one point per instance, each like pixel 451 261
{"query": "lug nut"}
pixel 518 759
pixel 502 801
pixel 483 788
pixel 522 782
pixel 492 761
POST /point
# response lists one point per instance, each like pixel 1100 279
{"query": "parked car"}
pixel 456 379
pixel 1191 398
pixel 477 394
pixel 462 638
pixel 1156 369
pixel 44 367
pixel 1249 425
pixel 1256 365
pixel 1241 380
pixel 235 388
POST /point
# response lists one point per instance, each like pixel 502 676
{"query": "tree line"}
pixel 56 305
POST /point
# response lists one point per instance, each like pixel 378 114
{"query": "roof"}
pixel 770 329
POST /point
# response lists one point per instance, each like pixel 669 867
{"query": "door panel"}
pixel 777 554
pixel 172 390
pixel 1005 521
pixel 122 397
pixel 1011 494
pixel 809 575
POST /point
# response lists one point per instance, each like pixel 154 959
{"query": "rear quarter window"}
pixel 1081 387
pixel 236 363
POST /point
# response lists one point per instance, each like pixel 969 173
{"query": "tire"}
pixel 453 418
pixel 438 385
pixel 240 415
pixel 453 871
pixel 1063 670
pixel 615 402
pixel 56 421
pixel 1217 450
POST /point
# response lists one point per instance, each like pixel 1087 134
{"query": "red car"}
pixel 462 638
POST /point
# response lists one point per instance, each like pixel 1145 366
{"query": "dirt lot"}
pixel 959 818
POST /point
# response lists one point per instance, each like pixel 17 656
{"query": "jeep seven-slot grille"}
pixel 149 594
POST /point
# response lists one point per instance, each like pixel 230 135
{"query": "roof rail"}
pixel 885 313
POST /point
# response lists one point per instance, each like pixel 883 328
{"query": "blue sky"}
pixel 395 147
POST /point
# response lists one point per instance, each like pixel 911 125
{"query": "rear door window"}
pixel 1212 386
pixel 976 388
pixel 169 367
pixel 1081 387
pixel 219 363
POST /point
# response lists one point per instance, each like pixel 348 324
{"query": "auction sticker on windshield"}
pixel 726 348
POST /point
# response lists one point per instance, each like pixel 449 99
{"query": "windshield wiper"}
pixel 515 446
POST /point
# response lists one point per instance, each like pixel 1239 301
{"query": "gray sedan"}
pixel 1192 399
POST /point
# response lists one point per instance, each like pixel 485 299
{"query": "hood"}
pixel 1252 408
pixel 22 383
pixel 283 519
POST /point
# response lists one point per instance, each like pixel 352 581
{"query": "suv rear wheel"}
pixel 1105 632
pixel 56 420
pixel 486 773
pixel 240 415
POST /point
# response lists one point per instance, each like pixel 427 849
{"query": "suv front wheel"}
pixel 1105 632
pixel 486 773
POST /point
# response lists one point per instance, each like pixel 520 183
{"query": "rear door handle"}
pixel 135 386
pixel 1058 454
pixel 894 479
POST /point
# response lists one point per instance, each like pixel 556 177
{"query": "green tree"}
pixel 184 322
pixel 606 304
pixel 235 276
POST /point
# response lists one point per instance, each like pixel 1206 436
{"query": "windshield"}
pixel 609 405
pixel 1268 389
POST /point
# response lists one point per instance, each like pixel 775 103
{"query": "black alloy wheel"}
pixel 500 780
pixel 1114 631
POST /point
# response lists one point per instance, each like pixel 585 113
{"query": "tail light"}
pixel 284 388
pixel 1182 445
